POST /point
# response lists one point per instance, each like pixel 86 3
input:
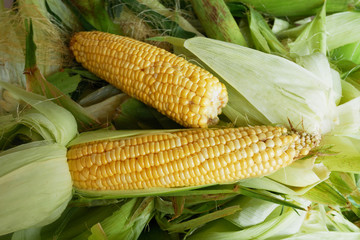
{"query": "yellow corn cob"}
pixel 183 91
pixel 186 158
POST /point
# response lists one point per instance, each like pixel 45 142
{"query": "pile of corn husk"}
pixel 291 64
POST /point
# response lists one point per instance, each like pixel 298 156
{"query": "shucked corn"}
pixel 183 91
pixel 186 158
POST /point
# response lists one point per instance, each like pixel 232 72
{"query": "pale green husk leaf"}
pixel 342 28
pixel 50 120
pixel 276 226
pixel 310 173
pixel 313 38
pixel 125 223
pixel 348 117
pixel 344 155
pixel 253 211
pixel 36 185
pixel 292 92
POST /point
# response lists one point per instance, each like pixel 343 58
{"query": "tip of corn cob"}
pixel 186 93
pixel 191 157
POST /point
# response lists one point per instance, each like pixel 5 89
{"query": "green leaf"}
pixel 349 92
pixel 93 15
pixel 199 221
pixel 65 82
pixel 262 36
pixel 313 38
pixel 97 233
pixel 30 57
pixel 325 194
pixel 76 220
pixel 276 226
pixel 350 52
pixel 63 14
pixel 127 222
pixel 27 234
pixel 136 115
pixel 343 182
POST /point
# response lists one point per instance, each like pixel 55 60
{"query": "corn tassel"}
pixel 186 158
pixel 184 92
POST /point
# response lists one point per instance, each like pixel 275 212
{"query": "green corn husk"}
pixel 346 185
pixel 253 211
pixel 51 121
pixel 37 184
pixel 340 25
pixel 262 36
pixel 349 91
pixel 125 223
pixel 173 15
pixel 337 26
pixel 311 173
pixel 350 52
pixel 302 93
pixel 93 15
pixel 344 156
pixel 53 52
pixel 76 221
pixel 154 15
pixel 136 115
pixel 36 82
pixel 275 226
pixel 217 21
pixel 296 8
pixel 313 38
pixel 325 194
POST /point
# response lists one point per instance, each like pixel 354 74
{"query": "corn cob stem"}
pixel 184 92
pixel 186 158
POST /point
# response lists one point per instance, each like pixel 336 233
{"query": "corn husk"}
pixel 173 15
pixel 49 37
pixel 345 154
pixel 337 26
pixel 348 117
pixel 51 121
pixel 297 8
pixel 324 193
pixel 217 21
pixel 311 173
pixel 263 37
pixel 36 185
pixel 276 226
pixel 253 211
pixel 125 223
pixel 297 95
pixel 312 38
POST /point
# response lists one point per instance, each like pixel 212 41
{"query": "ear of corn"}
pixel 184 92
pixel 185 158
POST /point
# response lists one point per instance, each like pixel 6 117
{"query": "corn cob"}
pixel 183 91
pixel 186 158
